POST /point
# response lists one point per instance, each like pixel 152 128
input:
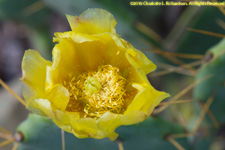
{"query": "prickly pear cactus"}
pixel 41 133
pixel 214 67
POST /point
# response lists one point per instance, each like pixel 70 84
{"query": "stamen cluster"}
pixel 96 92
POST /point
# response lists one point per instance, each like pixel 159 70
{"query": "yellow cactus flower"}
pixel 96 81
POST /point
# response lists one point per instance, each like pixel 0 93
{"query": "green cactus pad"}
pixel 215 84
pixel 41 133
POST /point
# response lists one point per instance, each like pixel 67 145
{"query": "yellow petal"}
pixel 36 110
pixel 59 96
pixel 64 63
pixel 64 127
pixel 146 99
pixel 43 105
pixel 87 127
pixel 62 117
pixel 90 54
pixel 93 21
pixel 77 37
pixel 95 50
pixel 34 74
pixel 110 121
pixel 81 37
pixel 139 60
pixel 63 120
pixel 115 55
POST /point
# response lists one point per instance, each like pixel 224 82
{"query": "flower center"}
pixel 96 92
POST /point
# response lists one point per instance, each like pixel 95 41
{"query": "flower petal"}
pixel 115 55
pixel 90 54
pixel 87 127
pixel 93 21
pixel 146 99
pixel 64 127
pixel 43 105
pixel 34 75
pixel 64 63
pixel 62 116
pixel 59 96
pixel 63 120
pixel 95 50
pixel 139 60
pixel 110 121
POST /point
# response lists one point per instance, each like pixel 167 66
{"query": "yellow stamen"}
pixel 96 92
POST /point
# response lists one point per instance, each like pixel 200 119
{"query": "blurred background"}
pixel 31 24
